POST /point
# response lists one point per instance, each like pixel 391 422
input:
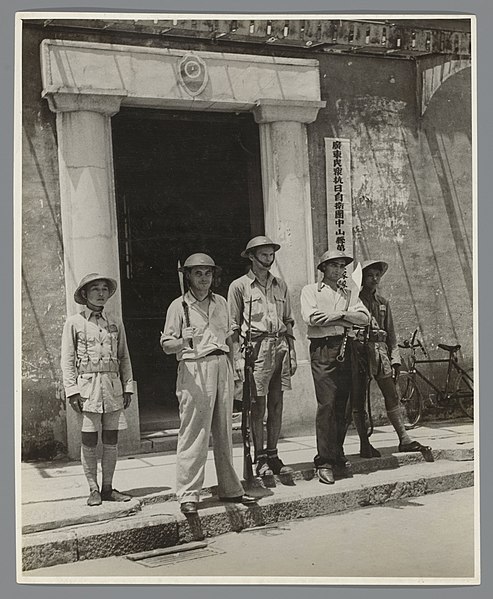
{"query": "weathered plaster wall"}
pixel 411 189
pixel 43 296
pixel 411 183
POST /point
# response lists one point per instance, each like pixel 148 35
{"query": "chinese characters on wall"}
pixel 338 190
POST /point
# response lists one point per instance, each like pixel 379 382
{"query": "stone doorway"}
pixel 184 182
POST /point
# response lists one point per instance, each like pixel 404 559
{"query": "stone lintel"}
pixel 102 101
pixel 302 111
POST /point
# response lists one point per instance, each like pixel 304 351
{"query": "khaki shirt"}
pixel 211 328
pixel 95 361
pixel 271 306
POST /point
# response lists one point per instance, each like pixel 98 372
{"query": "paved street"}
pixel 423 537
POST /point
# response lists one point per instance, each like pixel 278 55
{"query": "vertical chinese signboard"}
pixel 338 190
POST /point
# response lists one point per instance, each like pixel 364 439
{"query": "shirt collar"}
pixel 190 299
pixel 253 278
pixel 88 313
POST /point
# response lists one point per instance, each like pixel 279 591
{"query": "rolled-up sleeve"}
pixel 68 359
pixel 288 314
pixel 235 305
pixel 173 326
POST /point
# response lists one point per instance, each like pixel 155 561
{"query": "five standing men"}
pixel 205 331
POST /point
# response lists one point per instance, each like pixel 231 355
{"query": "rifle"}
pixel 183 302
pixel 356 277
pixel 248 398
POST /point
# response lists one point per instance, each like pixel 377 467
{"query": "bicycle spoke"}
pixel 410 397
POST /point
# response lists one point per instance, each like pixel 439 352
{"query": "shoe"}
pixel 413 446
pixel 94 498
pixel 188 507
pixel 244 499
pixel 342 469
pixel 370 452
pixel 113 495
pixel 263 468
pixel 326 475
pixel 425 450
pixel 277 465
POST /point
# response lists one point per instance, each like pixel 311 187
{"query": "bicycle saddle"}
pixel 450 348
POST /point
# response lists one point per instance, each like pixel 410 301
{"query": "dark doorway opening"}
pixel 185 182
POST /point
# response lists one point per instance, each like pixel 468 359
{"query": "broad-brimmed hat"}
pixel 257 242
pixel 200 259
pixel 90 278
pixel 381 264
pixel 334 255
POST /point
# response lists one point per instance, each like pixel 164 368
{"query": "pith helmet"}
pixel 383 266
pixel 257 242
pixel 200 260
pixel 90 278
pixel 334 255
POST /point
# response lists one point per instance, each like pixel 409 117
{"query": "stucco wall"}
pixel 411 183
pixel 43 292
pixel 412 186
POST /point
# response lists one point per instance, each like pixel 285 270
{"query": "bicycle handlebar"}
pixel 413 344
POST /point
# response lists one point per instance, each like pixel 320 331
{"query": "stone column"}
pixel 87 195
pixel 90 234
pixel 288 220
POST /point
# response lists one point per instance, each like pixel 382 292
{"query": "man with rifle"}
pixel 260 311
pixel 379 357
pixel 330 309
pixel 198 331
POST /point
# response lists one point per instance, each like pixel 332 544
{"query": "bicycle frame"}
pixel 445 391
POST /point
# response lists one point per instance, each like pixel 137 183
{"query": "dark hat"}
pixel 334 255
pixel 90 278
pixel 383 266
pixel 257 242
pixel 199 259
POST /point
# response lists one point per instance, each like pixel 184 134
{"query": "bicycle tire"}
pixel 410 397
pixel 464 393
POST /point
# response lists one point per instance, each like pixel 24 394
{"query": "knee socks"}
pixel 397 420
pixel 108 463
pixel 89 461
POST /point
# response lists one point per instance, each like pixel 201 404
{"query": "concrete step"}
pixel 156 521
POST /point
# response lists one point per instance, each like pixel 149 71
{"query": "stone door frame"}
pixel 86 83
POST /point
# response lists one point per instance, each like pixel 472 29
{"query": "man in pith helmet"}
pixel 198 331
pixel 330 309
pixel 379 358
pixel 269 322
pixel 98 381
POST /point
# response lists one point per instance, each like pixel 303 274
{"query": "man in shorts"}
pixel 98 380
pixel 260 307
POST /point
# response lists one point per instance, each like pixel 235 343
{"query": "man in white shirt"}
pixel 330 309
pixel 198 330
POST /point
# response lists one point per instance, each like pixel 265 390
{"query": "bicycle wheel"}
pixel 464 392
pixel 410 397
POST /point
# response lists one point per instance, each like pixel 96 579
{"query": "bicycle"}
pixel 457 390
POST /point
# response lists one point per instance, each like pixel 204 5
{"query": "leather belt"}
pixel 216 352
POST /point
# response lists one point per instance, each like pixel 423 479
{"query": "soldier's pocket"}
pixel 85 384
pixel 116 383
